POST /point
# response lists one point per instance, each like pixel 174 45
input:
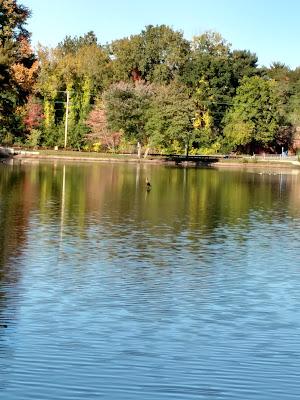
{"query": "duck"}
pixel 148 185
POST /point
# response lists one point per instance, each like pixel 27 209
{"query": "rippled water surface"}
pixel 189 291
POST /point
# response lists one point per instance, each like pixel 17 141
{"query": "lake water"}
pixel 189 291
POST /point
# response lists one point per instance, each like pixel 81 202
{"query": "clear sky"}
pixel 270 28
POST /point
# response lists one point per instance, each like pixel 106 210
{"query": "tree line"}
pixel 155 88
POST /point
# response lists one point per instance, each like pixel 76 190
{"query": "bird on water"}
pixel 148 185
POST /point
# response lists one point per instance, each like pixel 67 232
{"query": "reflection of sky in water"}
pixel 190 291
pixel 9 307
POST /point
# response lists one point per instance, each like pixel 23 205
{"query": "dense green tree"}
pixel 213 74
pixel 279 71
pixel 125 54
pixel 290 82
pixel 293 114
pixel 157 116
pixel 73 44
pixel 281 74
pixel 157 54
pixel 126 105
pixel 243 63
pixel 254 120
pixel 169 118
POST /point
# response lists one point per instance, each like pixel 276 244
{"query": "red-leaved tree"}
pixel 34 114
pixel 97 122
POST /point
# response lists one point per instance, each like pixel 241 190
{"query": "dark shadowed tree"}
pixel 126 105
pixel 16 62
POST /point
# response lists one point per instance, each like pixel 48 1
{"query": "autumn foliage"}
pixel 97 122
pixel 34 114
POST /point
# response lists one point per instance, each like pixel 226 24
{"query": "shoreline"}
pixel 260 164
pixel 25 156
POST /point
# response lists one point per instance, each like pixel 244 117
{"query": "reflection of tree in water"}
pixel 13 221
pixel 102 211
pixel 14 212
pixel 184 206
pixel 189 205
pixel 181 199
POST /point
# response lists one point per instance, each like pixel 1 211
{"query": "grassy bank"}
pixel 77 156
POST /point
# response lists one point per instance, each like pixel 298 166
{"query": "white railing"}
pixel 273 157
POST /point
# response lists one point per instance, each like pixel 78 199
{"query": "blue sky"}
pixel 268 28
